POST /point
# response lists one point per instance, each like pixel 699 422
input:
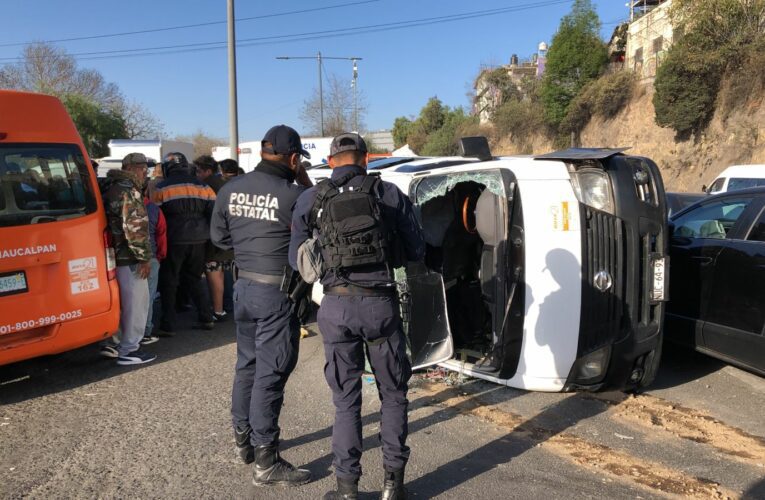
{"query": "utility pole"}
pixel 233 128
pixel 321 94
pixel 319 58
pixel 355 85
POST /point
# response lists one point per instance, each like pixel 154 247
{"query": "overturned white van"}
pixel 543 273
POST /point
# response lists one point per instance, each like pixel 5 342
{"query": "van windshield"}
pixel 737 183
pixel 43 183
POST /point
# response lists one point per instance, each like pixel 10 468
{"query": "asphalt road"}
pixel 76 425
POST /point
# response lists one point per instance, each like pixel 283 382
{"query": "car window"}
pixel 758 230
pixel 717 185
pixel 42 183
pixel 737 183
pixel 712 220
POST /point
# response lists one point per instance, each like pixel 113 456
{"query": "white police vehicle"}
pixel 543 273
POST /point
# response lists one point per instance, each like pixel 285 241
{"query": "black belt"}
pixel 266 279
pixel 359 291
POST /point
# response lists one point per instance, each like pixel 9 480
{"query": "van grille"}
pixel 603 250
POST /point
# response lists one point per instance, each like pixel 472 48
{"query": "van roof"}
pixel 29 117
pixel 757 170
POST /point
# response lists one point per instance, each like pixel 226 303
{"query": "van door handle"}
pixel 702 260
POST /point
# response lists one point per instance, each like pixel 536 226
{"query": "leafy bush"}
pixel 521 120
pixel 686 85
pixel 604 97
pixel 712 38
pixel 444 141
pixel 745 81
pixel 436 130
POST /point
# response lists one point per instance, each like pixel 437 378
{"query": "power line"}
pixel 186 26
pixel 307 36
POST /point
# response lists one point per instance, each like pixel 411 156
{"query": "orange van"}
pixel 57 271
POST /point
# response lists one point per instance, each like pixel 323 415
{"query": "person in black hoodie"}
pixel 187 205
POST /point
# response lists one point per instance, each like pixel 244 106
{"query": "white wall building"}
pixel 650 35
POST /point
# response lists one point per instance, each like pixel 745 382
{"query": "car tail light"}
pixel 111 259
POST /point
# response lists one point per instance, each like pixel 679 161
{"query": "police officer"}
pixel 252 216
pixel 360 311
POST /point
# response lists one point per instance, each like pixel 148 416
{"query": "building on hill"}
pixel 650 34
pixel 382 139
pixel 488 96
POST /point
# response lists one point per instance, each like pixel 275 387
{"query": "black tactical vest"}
pixel 350 221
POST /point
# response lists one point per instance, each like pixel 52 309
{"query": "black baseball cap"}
pixel 284 141
pixel 176 158
pixel 347 142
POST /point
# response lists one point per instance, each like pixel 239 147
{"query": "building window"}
pixel 639 55
pixel 658 44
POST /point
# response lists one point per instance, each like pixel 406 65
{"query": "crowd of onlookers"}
pixel 159 215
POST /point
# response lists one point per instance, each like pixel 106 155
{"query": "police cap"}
pixel 284 141
pixel 347 142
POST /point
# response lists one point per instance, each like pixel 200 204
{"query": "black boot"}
pixel 346 490
pixel 271 469
pixel 246 450
pixel 393 486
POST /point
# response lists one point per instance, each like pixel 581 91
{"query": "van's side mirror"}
pixel 704 189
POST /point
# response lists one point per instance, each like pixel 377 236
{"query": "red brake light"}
pixel 111 260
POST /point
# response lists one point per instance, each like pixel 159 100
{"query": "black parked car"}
pixel 717 278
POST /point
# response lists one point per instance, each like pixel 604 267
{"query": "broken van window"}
pixel 438 185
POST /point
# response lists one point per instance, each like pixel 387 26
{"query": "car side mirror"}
pixel 704 188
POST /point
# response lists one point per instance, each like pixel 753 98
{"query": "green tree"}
pixel 444 141
pixel 433 115
pixel 95 124
pixel 402 127
pixel 577 56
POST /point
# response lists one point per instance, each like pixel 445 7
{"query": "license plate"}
pixel 658 292
pixel 12 283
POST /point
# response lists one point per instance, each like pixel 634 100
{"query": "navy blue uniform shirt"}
pixel 397 210
pixel 252 215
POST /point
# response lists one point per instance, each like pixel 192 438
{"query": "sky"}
pixel 188 91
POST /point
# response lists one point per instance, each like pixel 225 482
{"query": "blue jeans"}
pixel 153 281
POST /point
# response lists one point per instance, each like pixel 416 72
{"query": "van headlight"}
pixel 593 188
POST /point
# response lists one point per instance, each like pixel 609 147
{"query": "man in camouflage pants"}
pixel 129 227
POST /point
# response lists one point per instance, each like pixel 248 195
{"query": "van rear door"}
pixel 53 265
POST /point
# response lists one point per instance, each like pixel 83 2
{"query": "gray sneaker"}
pixel 136 358
pixel 109 351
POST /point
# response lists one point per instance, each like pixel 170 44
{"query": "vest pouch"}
pixel 353 227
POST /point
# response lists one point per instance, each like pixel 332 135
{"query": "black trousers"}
pixel 349 327
pixel 184 265
pixel 267 346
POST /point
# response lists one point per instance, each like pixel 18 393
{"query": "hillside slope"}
pixel 686 165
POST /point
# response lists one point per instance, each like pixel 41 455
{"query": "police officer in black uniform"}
pixel 252 215
pixel 360 310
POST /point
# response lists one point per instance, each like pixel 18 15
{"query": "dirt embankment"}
pixel 738 138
